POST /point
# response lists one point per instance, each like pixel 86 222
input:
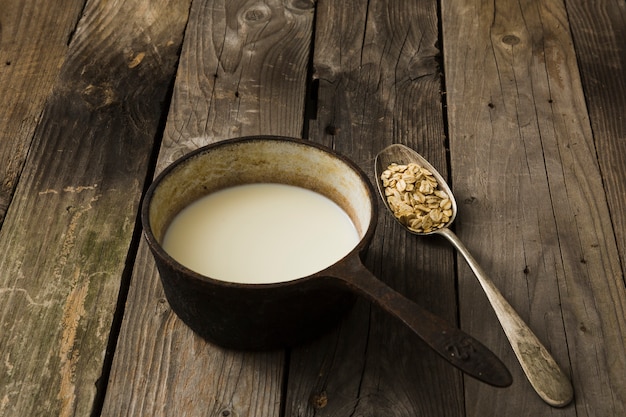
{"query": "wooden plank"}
pixel 242 71
pixel 599 32
pixel 34 35
pixel 66 236
pixel 377 64
pixel 525 171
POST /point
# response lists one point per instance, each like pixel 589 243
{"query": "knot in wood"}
pixel 319 400
pixel 257 14
pixel 510 40
pixel 227 412
pixel 162 306
pixel 99 96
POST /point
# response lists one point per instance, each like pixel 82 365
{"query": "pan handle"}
pixel 457 347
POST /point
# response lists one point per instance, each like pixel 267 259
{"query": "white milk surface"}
pixel 260 233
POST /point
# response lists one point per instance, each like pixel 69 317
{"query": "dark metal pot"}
pixel 269 316
pixel 256 316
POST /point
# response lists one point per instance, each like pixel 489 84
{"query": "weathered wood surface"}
pixel 520 103
pixel 533 208
pixel 599 31
pixel 67 233
pixel 242 71
pixel 378 69
pixel 28 69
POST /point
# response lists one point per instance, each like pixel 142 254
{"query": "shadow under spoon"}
pixel 542 371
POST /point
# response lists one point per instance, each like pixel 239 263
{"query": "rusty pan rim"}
pixel 356 252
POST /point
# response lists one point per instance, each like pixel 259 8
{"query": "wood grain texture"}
pixel 599 31
pixel 34 36
pixel 64 243
pixel 525 173
pixel 377 65
pixel 242 71
pixel 534 110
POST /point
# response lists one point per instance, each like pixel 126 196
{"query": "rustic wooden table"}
pixel 521 104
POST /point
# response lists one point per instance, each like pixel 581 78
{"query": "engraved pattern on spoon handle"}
pixel 542 371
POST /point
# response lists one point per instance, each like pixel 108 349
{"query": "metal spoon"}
pixel 540 368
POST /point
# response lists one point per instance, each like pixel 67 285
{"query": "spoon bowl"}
pixel 401 154
pixel 542 371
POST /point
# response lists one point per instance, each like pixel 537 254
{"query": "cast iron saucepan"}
pixel 275 315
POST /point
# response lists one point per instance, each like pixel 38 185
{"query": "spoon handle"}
pixel 542 371
pixel 455 346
